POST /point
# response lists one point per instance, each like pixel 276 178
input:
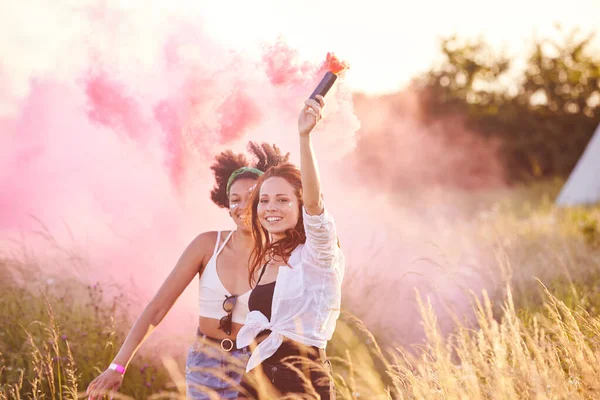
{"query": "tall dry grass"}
pixel 536 337
pixel 57 334
pixel 556 355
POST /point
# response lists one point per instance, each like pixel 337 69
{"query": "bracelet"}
pixel 116 367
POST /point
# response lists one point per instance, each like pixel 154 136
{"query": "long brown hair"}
pixel 264 249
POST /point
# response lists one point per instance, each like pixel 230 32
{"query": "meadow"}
pixel 535 336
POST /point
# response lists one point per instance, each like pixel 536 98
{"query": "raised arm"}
pixel 189 264
pixel 321 235
pixel 311 184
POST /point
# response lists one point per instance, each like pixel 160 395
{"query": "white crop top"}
pixel 213 293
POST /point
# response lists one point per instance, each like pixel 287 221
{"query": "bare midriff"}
pixel 210 327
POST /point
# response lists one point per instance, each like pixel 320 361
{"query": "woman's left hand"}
pixel 310 115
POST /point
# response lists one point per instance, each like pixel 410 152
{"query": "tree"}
pixel 544 115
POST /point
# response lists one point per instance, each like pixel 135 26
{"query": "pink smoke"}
pixel 108 128
pixel 417 156
pixel 282 66
pixel 111 107
pixel 410 181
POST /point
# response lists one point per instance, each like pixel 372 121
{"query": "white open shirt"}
pixel 307 297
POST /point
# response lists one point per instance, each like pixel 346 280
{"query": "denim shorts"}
pixel 210 370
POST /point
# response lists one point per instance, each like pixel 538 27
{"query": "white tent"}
pixel 583 185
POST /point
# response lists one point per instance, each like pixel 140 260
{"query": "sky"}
pixel 386 42
pixel 389 42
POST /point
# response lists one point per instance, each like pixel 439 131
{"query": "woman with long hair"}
pixel 296 269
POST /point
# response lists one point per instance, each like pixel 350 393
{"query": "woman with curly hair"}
pixel 221 260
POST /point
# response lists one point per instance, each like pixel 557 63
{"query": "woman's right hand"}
pixel 310 115
pixel 104 383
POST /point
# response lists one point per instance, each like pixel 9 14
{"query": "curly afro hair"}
pixel 265 155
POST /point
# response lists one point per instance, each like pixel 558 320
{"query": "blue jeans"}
pixel 210 370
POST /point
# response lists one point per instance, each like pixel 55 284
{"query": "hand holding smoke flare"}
pixel 334 67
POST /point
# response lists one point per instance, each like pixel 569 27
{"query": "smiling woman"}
pixel 296 269
pixel 276 206
pixel 276 223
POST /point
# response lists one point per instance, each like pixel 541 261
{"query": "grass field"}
pixel 536 336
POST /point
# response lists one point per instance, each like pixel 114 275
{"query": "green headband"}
pixel 240 171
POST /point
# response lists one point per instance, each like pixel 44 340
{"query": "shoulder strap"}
pixel 217 244
pixel 224 243
pixel 262 272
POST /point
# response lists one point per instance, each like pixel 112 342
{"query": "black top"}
pixel 261 297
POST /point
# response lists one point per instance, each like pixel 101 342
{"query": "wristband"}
pixel 116 367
